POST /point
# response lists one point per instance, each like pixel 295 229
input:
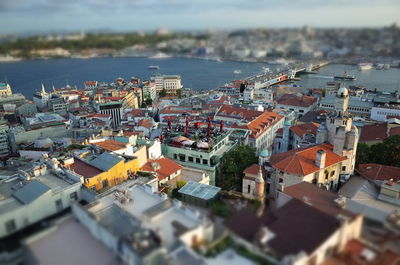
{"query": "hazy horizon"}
pixel 41 16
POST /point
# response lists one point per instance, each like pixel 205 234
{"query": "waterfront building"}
pixel 357 106
pixel 385 112
pixel 41 98
pixel 5 89
pixel 91 84
pixel 4 143
pixel 35 193
pixel 169 83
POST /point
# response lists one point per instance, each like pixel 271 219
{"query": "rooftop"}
pixel 110 145
pixel 295 100
pixel 48 247
pixel 310 229
pixel 198 190
pixel 379 172
pixel 164 167
pixel 302 161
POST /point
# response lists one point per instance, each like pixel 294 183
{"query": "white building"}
pixel 171 83
pixel 32 195
pixel 381 113
pixel 41 98
pixel 5 89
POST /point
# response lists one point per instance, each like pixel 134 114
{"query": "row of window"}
pixel 387 113
pixel 11 226
pixel 182 158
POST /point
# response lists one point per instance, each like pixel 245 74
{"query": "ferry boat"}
pixel 345 76
pixel 365 66
pixel 237 71
pixel 154 67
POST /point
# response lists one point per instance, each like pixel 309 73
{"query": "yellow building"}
pixel 105 170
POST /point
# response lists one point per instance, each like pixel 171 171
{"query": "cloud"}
pixel 22 15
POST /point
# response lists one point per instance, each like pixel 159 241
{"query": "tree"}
pixel 163 93
pixel 232 165
pixel 149 101
pixel 385 153
pixel 179 93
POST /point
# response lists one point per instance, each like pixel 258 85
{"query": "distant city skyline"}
pixel 23 16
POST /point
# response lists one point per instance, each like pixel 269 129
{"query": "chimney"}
pixel 320 159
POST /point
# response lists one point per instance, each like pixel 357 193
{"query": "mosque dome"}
pixel 264 153
pixel 342 92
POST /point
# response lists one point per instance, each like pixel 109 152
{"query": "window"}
pixel 326 175
pixel 248 188
pixel 10 226
pixel 280 180
pixel 343 168
pixel 198 160
pixel 59 205
pixel 105 183
pixel 205 162
pixel 73 196
pixel 182 157
pixel 332 173
pixel 190 159
pixel 175 156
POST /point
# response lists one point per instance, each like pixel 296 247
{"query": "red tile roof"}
pixel 166 168
pixel 257 121
pixel 253 170
pixel 302 129
pixel 302 161
pixel 110 145
pixel 377 132
pixel 136 113
pixel 84 169
pixel 379 172
pixel 145 123
pixel 238 113
pixel 298 101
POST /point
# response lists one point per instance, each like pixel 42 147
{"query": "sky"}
pixel 24 16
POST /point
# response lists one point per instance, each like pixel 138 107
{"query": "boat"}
pixel 365 66
pixel 154 67
pixel 345 77
pixel 237 71
pixel 159 55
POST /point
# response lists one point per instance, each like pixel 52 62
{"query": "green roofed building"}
pixel 199 194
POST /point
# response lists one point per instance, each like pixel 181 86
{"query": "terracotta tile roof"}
pixel 166 167
pixel 302 161
pixel 136 113
pixel 253 171
pixel 294 100
pixel 377 132
pixel 379 172
pixel 145 123
pixel 110 145
pixel 129 133
pixel 99 115
pixel 302 129
pixel 238 113
pixel 318 198
pixel 91 83
pixel 257 121
pixel 262 123
pixel 84 169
